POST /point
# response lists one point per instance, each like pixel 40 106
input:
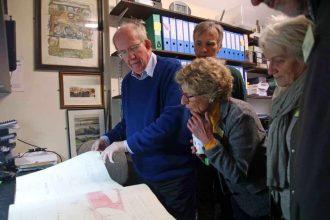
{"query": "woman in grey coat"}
pixel 282 44
pixel 231 133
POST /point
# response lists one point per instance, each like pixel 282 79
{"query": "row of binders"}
pixel 176 35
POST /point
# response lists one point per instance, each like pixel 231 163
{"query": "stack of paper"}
pixel 35 161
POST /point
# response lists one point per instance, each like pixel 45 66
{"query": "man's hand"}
pixel 114 147
pixel 98 145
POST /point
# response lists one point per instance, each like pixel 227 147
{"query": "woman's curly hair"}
pixel 208 77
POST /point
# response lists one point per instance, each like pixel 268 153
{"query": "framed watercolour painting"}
pixel 81 90
pixel 84 125
pixel 68 35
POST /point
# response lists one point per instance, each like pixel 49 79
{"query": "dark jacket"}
pixel 312 168
pixel 240 156
pixel 239 91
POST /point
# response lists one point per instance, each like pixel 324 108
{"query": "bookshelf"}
pixel 131 9
pixel 142 11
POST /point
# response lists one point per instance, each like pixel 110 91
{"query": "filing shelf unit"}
pixel 129 9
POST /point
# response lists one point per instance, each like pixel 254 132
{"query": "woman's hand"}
pixel 201 127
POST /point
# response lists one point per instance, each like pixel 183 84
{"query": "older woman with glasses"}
pixel 282 44
pixel 231 133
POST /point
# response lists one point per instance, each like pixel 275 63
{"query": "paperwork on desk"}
pixel 81 188
pixel 35 161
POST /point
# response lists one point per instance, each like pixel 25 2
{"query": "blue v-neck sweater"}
pixel 154 123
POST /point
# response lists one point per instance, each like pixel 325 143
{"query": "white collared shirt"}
pixel 149 71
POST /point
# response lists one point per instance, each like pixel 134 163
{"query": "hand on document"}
pixel 114 147
pixel 99 145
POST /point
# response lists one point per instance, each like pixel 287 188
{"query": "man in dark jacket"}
pixel 312 168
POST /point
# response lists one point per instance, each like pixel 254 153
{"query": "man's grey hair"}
pixel 136 26
pixel 206 26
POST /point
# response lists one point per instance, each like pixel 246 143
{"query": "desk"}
pixel 7 195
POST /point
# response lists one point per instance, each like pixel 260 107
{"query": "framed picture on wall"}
pixel 81 90
pixel 84 125
pixel 68 35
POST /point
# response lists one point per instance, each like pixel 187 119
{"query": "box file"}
pixel 154 28
pixel 185 37
pixel 166 33
pixel 179 35
pixel 174 46
pixel 191 26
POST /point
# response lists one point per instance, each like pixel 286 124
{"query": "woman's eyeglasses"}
pixel 132 49
pixel 187 97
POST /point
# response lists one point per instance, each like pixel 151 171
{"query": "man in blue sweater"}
pixel 153 126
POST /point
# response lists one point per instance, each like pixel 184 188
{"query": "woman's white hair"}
pixel 286 34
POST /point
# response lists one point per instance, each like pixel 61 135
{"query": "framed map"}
pixel 68 35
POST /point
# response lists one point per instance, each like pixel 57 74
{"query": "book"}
pixel 81 188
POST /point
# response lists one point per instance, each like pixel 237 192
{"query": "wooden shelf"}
pixel 142 11
pixel 116 97
pixel 258 97
pixel 249 97
pixel 130 9
pixel 256 69
pixel 186 56
pixel 166 53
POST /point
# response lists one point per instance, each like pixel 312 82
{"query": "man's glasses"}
pixel 132 49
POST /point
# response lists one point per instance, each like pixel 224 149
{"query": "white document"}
pixel 84 172
pixel 132 202
pixel 81 188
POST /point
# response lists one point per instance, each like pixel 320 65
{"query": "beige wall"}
pixel 37 108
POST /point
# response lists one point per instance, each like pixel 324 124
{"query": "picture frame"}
pixel 68 35
pixel 81 90
pixel 84 125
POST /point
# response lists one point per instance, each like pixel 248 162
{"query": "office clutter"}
pixel 81 188
pixel 7 143
pixel 261 86
pixel 257 86
pixel 36 160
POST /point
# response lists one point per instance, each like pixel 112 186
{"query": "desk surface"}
pixel 7 195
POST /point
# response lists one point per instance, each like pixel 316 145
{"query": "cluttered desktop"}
pixel 11 166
